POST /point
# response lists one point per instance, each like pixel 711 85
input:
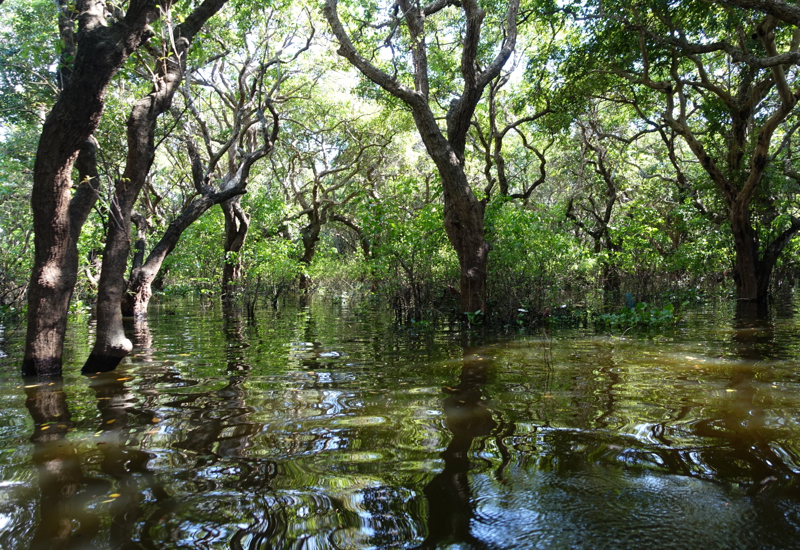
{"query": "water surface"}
pixel 328 427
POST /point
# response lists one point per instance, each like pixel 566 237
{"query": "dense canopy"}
pixel 473 161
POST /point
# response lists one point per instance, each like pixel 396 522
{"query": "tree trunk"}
pixel 363 238
pixel 463 223
pixel 310 234
pixel 237 222
pixel 139 291
pixel 137 297
pixel 746 268
pixel 111 344
pixel 48 304
pixel 101 50
pixel 753 268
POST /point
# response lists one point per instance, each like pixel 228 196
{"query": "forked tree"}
pixel 407 34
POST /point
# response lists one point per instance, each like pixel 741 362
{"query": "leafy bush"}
pixel 641 315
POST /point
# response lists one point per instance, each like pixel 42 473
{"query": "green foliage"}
pixel 196 263
pixel 533 262
pixel 641 315
pixel 660 237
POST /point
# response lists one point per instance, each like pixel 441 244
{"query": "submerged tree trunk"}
pixel 754 267
pixel 237 222
pixel 139 290
pixel 750 285
pixel 111 344
pixel 235 182
pixel 48 305
pixel 57 219
pixel 463 223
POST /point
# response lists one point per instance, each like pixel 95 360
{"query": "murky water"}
pixel 328 428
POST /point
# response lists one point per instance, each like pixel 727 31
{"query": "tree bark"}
pixel 754 267
pixel 101 50
pixel 310 234
pixel 237 222
pixel 463 212
pixel 111 344
pixel 139 292
pixel 463 223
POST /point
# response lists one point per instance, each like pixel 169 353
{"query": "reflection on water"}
pixel 328 428
pixel 450 506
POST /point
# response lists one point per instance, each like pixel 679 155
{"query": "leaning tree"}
pixel 229 121
pixel 111 344
pixel 106 36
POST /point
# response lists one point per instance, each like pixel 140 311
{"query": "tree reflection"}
pixel 729 431
pixel 118 439
pixel 450 506
pixel 69 513
pixel 56 458
pixel 223 431
pixel 742 424
pixel 142 337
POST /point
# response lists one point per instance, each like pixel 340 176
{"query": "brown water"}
pixel 329 428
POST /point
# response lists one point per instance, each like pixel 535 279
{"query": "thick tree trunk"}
pixel 463 222
pixel 101 50
pixel 754 262
pixel 746 269
pixel 237 222
pixel 48 300
pixel 111 344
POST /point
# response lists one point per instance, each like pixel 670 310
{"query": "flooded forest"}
pixel 395 274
